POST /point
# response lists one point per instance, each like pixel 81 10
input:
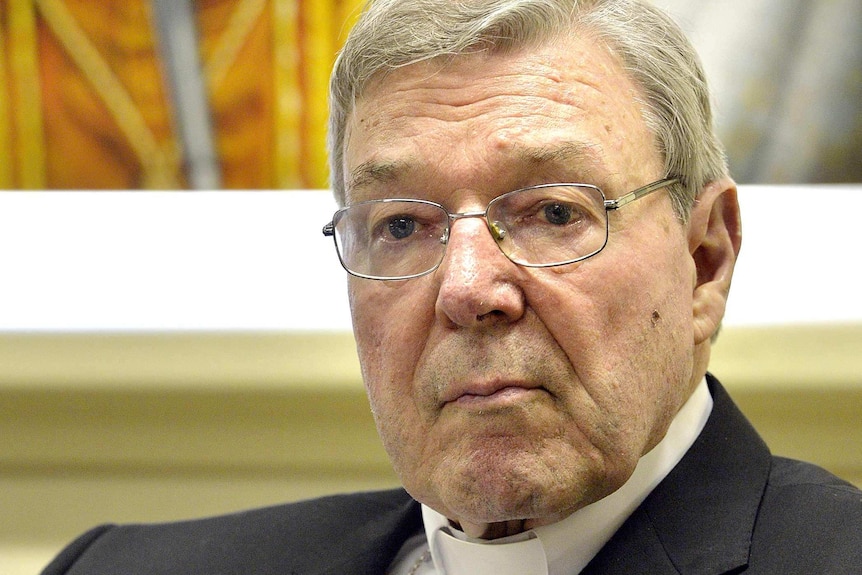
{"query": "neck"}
pixel 492 530
pixel 502 529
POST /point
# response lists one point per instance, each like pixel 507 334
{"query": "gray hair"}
pixel 652 48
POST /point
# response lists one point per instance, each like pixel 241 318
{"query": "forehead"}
pixel 482 115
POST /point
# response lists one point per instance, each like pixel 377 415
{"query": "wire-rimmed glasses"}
pixel 538 226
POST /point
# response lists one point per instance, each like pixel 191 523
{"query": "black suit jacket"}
pixel 728 507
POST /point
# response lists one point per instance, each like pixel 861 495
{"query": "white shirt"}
pixel 564 547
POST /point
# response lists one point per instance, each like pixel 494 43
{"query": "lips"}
pixel 487 391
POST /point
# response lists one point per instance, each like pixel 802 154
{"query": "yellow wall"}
pixel 150 427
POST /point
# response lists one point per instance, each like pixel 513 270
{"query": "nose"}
pixel 478 284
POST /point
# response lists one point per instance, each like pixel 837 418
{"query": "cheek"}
pixel 651 323
pixel 390 331
pixel 389 324
pixel 625 325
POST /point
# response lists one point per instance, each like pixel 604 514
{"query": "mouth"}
pixel 489 394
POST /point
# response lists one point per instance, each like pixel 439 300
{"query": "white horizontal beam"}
pixel 166 261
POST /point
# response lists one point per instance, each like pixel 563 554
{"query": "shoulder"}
pixel 795 487
pixel 274 539
pixel 808 516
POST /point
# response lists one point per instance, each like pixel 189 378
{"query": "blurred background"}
pixel 143 94
pixel 171 94
pixel 170 355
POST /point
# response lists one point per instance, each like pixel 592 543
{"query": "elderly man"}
pixel 541 234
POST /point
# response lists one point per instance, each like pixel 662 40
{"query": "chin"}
pixel 491 489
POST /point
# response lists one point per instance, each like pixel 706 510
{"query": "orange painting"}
pixel 85 101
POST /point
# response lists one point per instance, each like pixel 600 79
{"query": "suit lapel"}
pixel 374 543
pixel 699 520
pixel 634 548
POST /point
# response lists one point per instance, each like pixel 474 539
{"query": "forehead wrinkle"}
pixel 586 157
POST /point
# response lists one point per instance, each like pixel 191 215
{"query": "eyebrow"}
pixel 373 172
pixel 582 154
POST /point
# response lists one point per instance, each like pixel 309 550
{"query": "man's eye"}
pixel 401 227
pixel 557 214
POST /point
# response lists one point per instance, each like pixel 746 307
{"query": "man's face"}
pixel 503 392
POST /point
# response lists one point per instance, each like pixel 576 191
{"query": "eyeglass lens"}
pixel 540 226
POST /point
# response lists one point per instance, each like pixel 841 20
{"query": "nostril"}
pixel 491 315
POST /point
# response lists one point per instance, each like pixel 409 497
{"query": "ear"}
pixel 714 239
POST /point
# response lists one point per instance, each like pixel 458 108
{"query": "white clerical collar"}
pixel 568 545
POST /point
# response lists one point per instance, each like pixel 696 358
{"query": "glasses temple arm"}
pixel 639 193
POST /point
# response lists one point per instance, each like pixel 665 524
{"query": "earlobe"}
pixel 715 236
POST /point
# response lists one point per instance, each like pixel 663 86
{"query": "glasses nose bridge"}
pixel 462 215
pixel 497 233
